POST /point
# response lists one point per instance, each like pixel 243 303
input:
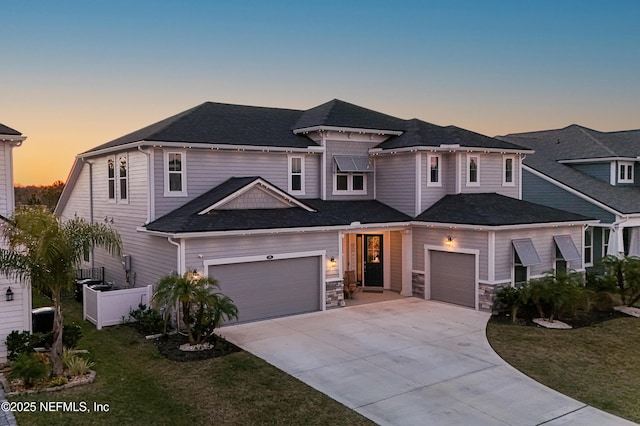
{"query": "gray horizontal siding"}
pixel 347 148
pixel 431 194
pixel 396 181
pixel 205 169
pixel 538 190
pixel 491 176
pixel 600 171
pixel 199 250
pixel 542 239
pixel 462 239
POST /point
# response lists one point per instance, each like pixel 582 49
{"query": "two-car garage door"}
pixel 271 288
pixel 453 277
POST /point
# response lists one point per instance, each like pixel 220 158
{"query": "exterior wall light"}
pixel 9 294
pixel 333 261
pixel 449 241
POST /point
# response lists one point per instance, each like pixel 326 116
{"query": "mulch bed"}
pixel 594 317
pixel 169 348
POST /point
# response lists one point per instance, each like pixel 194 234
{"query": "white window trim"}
pixel 119 178
pixel 469 157
pixel 349 190
pixel 513 268
pixel 429 181
pixel 301 191
pixel 114 179
pixel 513 170
pixel 183 172
pixel 622 177
pixel 590 245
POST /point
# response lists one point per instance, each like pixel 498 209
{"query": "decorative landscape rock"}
pixel 559 325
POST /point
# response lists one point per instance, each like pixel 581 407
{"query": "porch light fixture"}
pixel 449 241
pixel 333 261
pixel 9 294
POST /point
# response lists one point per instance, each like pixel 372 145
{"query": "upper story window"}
pixel 625 172
pixel 123 177
pixel 434 175
pixel 350 175
pixel 606 233
pixel 175 174
pixel 473 170
pixel 111 178
pixel 508 170
pixel 296 175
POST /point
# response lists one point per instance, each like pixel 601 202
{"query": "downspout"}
pixel 179 255
pixel 90 202
pixel 150 186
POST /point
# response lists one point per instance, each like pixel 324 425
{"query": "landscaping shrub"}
pixel 508 301
pixel 19 342
pixel 625 272
pixel 58 381
pixel 78 366
pixel 147 320
pixel 29 369
pixel 71 335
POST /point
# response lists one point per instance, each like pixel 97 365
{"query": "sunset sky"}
pixel 76 74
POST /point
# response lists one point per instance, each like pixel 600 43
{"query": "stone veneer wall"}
pixel 487 294
pixel 417 284
pixel 335 294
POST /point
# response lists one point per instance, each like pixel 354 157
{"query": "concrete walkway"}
pixel 410 362
pixel 6 417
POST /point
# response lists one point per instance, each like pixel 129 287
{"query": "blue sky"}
pixel 79 73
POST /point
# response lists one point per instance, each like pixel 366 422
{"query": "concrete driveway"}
pixel 410 362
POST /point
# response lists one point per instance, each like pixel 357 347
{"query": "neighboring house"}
pixel 590 173
pixel 15 314
pixel 276 204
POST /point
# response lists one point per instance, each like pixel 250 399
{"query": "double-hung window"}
pixel 606 233
pixel 508 163
pixel 296 175
pixel 434 165
pixel 473 170
pixel 175 174
pixel 123 177
pixel 111 178
pixel 625 172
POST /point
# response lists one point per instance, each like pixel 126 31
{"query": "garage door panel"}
pixel 271 288
pixel 453 278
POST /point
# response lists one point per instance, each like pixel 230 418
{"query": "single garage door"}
pixel 453 278
pixel 271 288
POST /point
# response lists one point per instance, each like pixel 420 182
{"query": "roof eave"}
pixel 244 232
pixel 347 129
pixel 420 223
pixel 200 145
pixel 450 148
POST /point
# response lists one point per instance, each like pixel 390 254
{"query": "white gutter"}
pixel 347 130
pixel 449 148
pixel 210 146
pixel 150 189
pixel 179 264
pixel 440 225
pixel 246 232
pixel 597 160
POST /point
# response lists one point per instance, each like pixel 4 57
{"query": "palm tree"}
pixel 45 252
pixel 203 309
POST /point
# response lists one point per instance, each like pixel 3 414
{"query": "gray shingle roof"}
pixel 577 142
pixel 343 114
pixel 226 124
pixel 421 133
pixel 328 213
pixel 490 209
pixel 218 123
pixel 6 130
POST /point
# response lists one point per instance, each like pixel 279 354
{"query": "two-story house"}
pixel 276 204
pixel 15 298
pixel 590 173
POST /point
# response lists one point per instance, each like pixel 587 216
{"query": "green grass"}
pixel 142 387
pixel 597 365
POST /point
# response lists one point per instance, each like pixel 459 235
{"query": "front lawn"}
pixel 597 365
pixel 142 387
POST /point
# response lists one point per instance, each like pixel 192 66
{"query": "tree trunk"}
pixel 56 347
